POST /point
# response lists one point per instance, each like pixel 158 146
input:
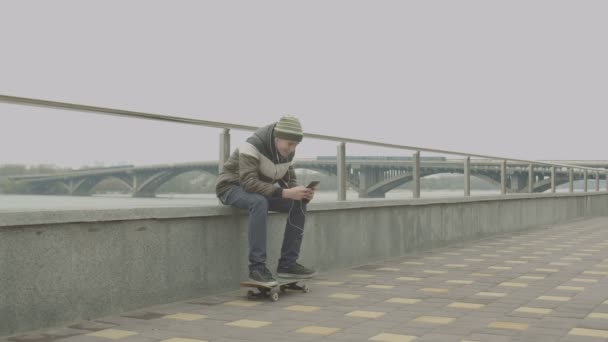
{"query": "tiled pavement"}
pixel 542 285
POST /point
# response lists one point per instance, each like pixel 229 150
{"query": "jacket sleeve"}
pixel 290 177
pixel 249 179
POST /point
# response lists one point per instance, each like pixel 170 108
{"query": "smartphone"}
pixel 313 184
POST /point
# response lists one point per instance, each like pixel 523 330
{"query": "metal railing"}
pixel 224 145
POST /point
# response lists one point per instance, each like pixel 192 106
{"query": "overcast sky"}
pixel 523 79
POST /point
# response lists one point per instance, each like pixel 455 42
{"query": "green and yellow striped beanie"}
pixel 289 128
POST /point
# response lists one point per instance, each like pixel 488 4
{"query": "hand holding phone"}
pixel 313 184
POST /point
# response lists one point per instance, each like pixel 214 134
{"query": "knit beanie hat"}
pixel 289 128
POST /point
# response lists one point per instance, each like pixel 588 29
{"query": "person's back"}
pixel 259 176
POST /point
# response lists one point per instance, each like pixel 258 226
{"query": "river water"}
pixel 18 203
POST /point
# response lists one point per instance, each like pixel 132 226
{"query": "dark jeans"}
pixel 258 206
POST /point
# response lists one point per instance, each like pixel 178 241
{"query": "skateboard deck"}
pixel 273 291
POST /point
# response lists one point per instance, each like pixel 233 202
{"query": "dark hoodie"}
pixel 257 167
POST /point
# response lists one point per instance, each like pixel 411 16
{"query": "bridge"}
pixel 370 178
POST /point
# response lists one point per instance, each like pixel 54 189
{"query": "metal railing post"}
pixel 224 148
pixel 597 181
pixel 416 175
pixel 467 176
pixel 531 178
pixel 585 176
pixel 341 171
pixel 503 177
pixel 570 180
pixel 553 179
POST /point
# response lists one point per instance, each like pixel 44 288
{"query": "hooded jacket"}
pixel 258 167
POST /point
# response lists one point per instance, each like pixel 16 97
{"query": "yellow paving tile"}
pixel 500 267
pixel 482 274
pixel 460 305
pixel 516 262
pixel 554 298
pixel 243 303
pixel 589 332
pixel 490 255
pixel 317 330
pixel 528 257
pixel 344 296
pixel 112 334
pixel 366 314
pixel 582 254
pixel 508 284
pixel 605 302
pixel 590 250
pixel 303 308
pixel 552 249
pixel 508 325
pixel 467 282
pixel 570 288
pixel 559 264
pixel 595 272
pixel 542 253
pixel 380 287
pixel 409 279
pixel 434 272
pixel 384 337
pixel 362 275
pixel 547 270
pixel 532 277
pixel 434 290
pixel 571 258
pixel 601 265
pixel 584 280
pixel 329 283
pixel 451 253
pixel 412 263
pixel 403 300
pixel 598 315
pixel 435 258
pixel 474 259
pixel 540 311
pixel 185 317
pixel 247 323
pixel 179 339
pixel 435 319
pixel 490 294
pixel 389 269
pixel 455 265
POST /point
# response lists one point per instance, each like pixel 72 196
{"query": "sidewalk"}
pixel 543 285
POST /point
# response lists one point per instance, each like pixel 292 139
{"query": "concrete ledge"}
pixel 45 217
pixel 62 266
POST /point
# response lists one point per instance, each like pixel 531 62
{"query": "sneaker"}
pixel 262 277
pixel 296 271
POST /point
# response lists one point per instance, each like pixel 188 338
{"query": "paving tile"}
pixel 112 334
pixel 366 314
pixel 434 319
pixel 386 337
pixel 318 330
pixel 185 317
pixel 247 323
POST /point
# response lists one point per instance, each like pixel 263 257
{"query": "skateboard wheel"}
pixel 305 289
pixel 274 296
pixel 250 294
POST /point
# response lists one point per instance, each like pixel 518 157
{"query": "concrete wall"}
pixel 57 267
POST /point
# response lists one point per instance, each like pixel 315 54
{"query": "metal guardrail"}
pixel 341 149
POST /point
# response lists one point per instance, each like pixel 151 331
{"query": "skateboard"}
pixel 273 291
